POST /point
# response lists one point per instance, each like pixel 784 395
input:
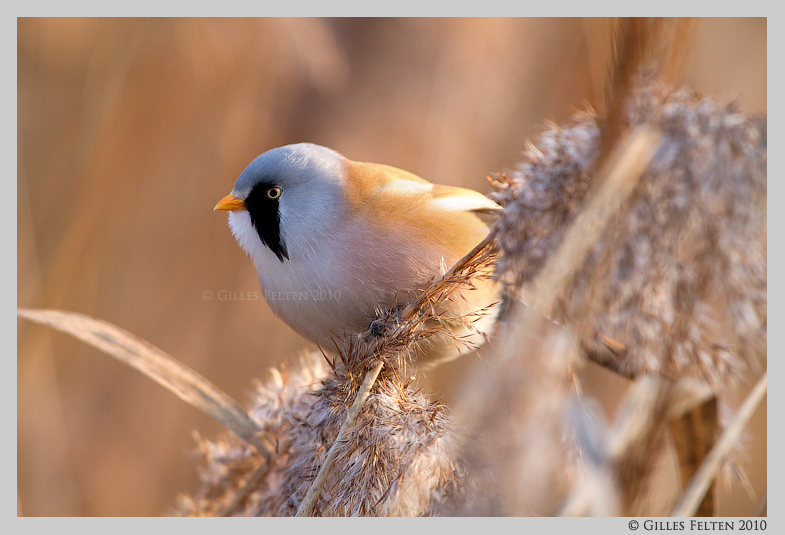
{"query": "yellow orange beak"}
pixel 230 202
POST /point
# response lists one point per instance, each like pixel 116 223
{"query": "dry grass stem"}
pixel 660 44
pixel 309 502
pixel 619 461
pixel 624 167
pixel 728 440
pixel 157 365
pixel 513 412
pixel 694 434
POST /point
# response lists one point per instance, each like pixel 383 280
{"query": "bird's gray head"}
pixel 293 195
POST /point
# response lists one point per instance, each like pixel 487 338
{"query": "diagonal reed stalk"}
pixel 309 502
pixel 160 367
pixel 617 177
pixel 708 470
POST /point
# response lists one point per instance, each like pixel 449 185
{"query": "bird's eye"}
pixel 273 193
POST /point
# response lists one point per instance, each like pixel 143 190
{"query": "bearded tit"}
pixel 335 242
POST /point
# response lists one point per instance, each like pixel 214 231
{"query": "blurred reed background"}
pixel 129 131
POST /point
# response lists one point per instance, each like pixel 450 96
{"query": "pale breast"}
pixel 359 270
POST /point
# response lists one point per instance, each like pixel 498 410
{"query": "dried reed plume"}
pixel 677 285
pixel 399 454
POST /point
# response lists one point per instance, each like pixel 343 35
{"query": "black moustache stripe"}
pixel 266 219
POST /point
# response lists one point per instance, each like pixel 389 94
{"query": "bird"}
pixel 336 242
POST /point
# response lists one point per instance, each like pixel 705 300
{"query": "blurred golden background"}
pixel 130 130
